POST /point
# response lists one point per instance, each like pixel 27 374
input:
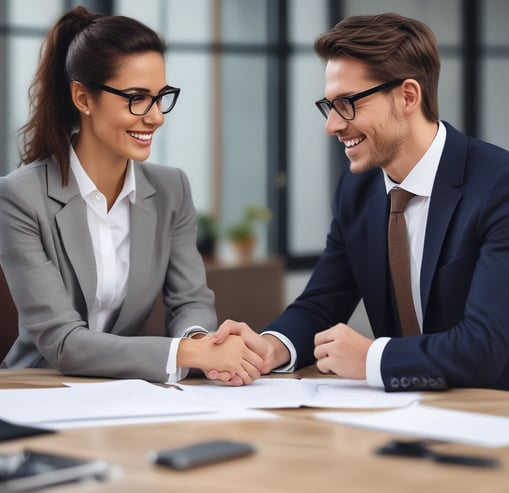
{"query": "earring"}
pixel 87 112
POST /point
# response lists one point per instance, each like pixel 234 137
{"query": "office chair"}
pixel 8 318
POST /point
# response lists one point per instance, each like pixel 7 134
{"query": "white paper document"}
pixel 122 402
pixel 226 415
pixel 272 393
pixel 430 422
pixel 115 399
pixel 340 392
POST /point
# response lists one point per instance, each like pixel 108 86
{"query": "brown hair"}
pixel 82 46
pixel 392 47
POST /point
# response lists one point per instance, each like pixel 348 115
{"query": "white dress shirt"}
pixel 110 235
pixel 420 182
pixel 109 232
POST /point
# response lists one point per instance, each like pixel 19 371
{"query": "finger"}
pixel 231 381
pixel 331 334
pixel 251 370
pixel 244 376
pixel 324 337
pixel 228 327
pixel 236 381
pixel 219 336
pixel 254 359
pixel 224 376
pixel 321 351
pixel 323 365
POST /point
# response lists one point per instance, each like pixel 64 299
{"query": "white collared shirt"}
pixel 420 182
pixel 110 235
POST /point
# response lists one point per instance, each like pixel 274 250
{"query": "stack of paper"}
pixel 136 401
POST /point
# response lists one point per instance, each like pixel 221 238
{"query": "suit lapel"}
pixel 444 198
pixel 74 233
pixel 143 228
pixel 376 253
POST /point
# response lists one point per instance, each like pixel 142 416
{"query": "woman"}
pixel 88 236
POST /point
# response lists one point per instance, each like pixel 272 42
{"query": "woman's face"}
pixel 110 128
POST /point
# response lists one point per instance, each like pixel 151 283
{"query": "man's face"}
pixel 375 137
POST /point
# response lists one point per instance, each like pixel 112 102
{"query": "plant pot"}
pixel 244 248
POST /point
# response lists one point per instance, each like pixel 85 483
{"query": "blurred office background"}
pixel 245 129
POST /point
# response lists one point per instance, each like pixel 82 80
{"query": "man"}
pixel 381 81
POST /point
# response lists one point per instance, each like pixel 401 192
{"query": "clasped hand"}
pixel 265 348
pixel 343 351
pixel 339 349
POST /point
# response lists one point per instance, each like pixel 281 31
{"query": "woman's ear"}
pixel 80 97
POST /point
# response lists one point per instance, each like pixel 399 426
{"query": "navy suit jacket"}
pixel 464 274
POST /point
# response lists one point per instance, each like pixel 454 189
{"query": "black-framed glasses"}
pixel 140 103
pixel 345 105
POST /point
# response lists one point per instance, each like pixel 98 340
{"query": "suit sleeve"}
pixel 188 300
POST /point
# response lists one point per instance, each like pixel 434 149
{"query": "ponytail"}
pixel 53 116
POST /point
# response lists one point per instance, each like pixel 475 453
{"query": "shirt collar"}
pixel 421 178
pixel 87 186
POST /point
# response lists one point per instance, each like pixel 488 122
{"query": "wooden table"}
pixel 295 453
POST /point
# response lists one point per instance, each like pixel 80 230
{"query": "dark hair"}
pixel 392 47
pixel 82 46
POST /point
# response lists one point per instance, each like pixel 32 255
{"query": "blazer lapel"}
pixel 444 198
pixel 74 233
pixel 376 255
pixel 143 228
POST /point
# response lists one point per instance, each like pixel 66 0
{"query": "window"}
pixel 245 128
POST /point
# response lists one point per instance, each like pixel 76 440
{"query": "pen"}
pixel 167 385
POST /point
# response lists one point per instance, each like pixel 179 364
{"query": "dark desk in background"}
pixel 251 292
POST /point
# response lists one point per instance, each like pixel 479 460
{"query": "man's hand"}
pixel 343 351
pixel 272 352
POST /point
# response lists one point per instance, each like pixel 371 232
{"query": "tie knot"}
pixel 399 199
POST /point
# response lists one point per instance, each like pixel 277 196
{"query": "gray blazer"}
pixel 48 260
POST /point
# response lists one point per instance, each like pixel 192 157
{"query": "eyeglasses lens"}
pixel 141 104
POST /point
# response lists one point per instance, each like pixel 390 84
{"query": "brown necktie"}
pixel 399 261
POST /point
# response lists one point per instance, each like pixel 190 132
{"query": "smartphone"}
pixel 200 454
pixel 30 469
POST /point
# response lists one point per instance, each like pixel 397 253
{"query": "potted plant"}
pixel 207 233
pixel 242 235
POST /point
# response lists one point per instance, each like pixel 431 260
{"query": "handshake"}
pixel 237 355
pixel 234 355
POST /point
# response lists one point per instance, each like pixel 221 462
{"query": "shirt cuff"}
pixel 289 367
pixel 195 329
pixel 374 362
pixel 176 374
